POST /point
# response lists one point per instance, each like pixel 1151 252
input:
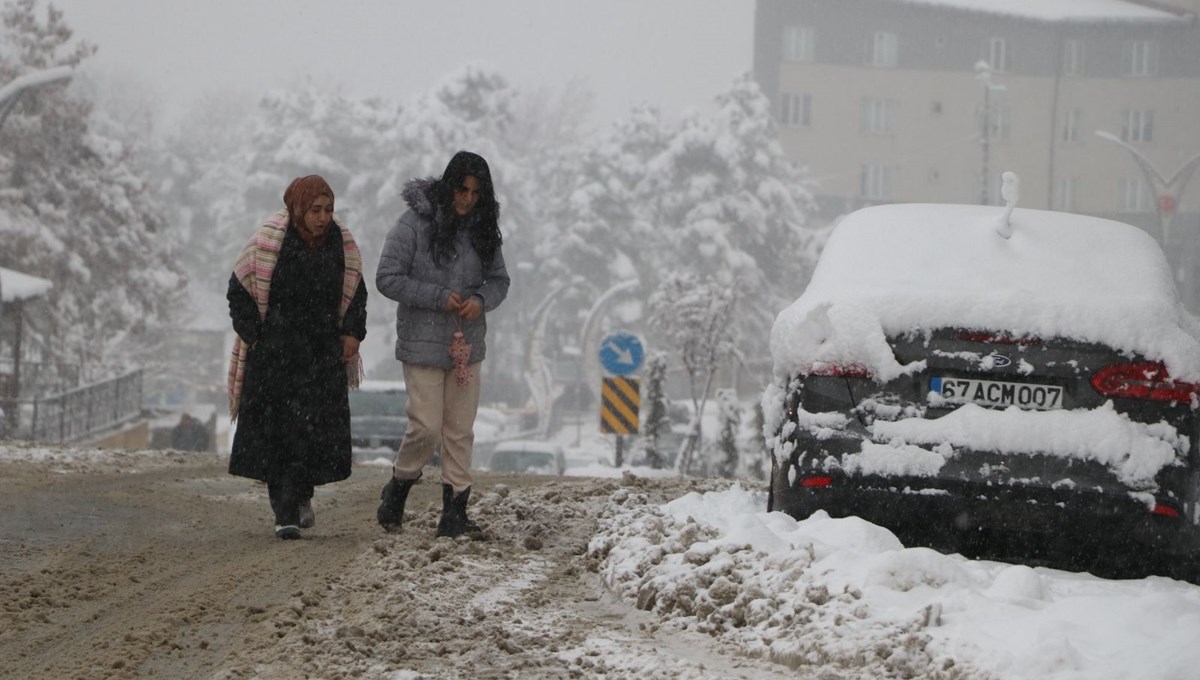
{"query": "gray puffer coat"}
pixel 408 275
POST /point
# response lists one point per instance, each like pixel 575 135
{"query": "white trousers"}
pixel 439 412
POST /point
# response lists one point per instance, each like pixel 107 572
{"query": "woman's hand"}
pixel 454 303
pixel 470 309
pixel 349 347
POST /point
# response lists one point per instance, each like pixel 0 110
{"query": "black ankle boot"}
pixel 391 510
pixel 454 520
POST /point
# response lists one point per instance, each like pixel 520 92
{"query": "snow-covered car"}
pixel 522 455
pixel 377 416
pixel 1017 383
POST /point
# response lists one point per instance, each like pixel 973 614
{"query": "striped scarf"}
pixel 254 269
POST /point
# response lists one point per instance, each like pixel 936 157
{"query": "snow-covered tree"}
pixel 734 207
pixel 656 421
pixel 603 231
pixel 202 178
pixel 729 415
pixel 692 316
pixel 714 191
pixel 76 208
pixel 755 456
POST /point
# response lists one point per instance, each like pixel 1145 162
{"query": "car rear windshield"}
pixel 520 461
pixel 377 403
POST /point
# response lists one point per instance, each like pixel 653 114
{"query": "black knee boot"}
pixel 285 502
pixel 454 520
pixel 391 509
pixel 308 518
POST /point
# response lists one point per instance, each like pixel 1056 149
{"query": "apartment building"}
pixel 931 100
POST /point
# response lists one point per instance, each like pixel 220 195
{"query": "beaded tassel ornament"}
pixel 460 352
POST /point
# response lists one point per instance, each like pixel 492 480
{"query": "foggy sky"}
pixel 673 53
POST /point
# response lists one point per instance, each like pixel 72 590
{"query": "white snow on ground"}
pixel 844 594
pixel 835 597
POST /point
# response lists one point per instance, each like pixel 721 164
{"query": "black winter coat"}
pixel 294 415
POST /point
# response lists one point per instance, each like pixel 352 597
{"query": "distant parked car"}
pixel 377 415
pixel 520 455
pixel 1030 395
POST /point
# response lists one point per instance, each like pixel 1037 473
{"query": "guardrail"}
pixel 77 413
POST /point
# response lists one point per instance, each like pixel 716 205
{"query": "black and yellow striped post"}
pixel 619 405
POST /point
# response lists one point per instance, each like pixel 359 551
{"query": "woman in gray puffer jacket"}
pixel 443 266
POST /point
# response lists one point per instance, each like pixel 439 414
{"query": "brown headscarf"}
pixel 302 192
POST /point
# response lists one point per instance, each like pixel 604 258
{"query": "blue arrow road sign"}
pixel 621 353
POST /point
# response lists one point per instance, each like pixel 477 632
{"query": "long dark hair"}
pixel 483 221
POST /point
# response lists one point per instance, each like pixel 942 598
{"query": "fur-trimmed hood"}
pixel 418 194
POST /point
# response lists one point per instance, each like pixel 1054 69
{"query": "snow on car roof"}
pixel 1061 10
pixel 892 269
pixel 382 385
pixel 527 445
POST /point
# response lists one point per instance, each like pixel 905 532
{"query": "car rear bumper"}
pixel 1027 521
pixel 1049 503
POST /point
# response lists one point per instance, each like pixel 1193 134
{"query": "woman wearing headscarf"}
pixel 443 266
pixel 298 304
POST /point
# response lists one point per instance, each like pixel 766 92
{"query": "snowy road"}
pixel 147 564
pixel 155 564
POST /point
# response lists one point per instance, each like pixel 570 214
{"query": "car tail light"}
pixel 1164 511
pixel 816 482
pixel 839 370
pixel 1144 380
pixel 997 338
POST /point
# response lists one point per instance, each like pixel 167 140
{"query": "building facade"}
pixel 889 100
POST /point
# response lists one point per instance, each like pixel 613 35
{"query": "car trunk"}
pixel 998 371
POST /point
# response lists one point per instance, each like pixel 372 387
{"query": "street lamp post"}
pixel 1167 193
pixel 9 94
pixel 983 74
pixel 1167 190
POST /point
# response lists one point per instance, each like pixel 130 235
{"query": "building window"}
pixel 1139 58
pixel 997 54
pixel 875 183
pixel 1137 125
pixel 795 109
pixel 1071 123
pixel 1066 189
pixel 798 43
pixel 1073 58
pixel 878 116
pixel 881 49
pixel 1135 195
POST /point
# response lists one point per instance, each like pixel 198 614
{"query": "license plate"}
pixel 997 393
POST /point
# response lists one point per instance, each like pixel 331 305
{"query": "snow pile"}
pixel 1135 452
pixel 761 593
pixel 844 597
pixel 894 269
pixel 64 459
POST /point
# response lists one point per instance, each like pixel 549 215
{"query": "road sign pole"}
pixel 621 354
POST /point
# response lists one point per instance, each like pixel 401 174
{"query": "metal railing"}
pixel 78 413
